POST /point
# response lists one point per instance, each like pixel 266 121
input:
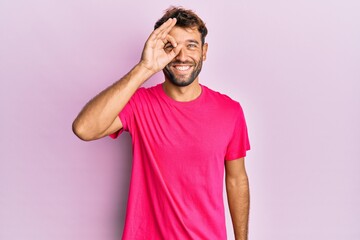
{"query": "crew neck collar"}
pixel 171 100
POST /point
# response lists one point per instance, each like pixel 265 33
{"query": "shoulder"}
pixel 222 99
pixel 146 98
pixel 227 109
pixel 144 92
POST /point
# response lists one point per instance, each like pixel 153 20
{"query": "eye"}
pixel 168 47
pixel 192 46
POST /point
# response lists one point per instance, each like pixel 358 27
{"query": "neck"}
pixel 182 94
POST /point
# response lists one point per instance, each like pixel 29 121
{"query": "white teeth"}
pixel 182 68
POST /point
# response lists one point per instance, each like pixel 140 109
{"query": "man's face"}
pixel 186 66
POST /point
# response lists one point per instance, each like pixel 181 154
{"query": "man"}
pixel 183 135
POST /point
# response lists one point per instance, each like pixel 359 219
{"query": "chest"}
pixel 190 132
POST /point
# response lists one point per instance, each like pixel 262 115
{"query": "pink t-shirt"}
pixel 179 149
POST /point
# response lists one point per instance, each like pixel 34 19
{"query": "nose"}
pixel 181 55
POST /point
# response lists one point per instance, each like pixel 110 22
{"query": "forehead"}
pixel 185 34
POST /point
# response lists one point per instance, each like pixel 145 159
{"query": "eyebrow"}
pixel 188 41
pixel 192 41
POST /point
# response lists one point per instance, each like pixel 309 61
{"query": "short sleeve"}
pixel 127 115
pixel 239 141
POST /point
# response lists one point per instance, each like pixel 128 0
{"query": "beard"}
pixel 182 80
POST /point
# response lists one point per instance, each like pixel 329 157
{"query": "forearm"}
pixel 99 116
pixel 100 112
pixel 239 202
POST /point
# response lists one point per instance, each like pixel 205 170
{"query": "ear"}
pixel 204 51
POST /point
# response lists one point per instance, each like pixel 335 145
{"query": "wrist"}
pixel 145 68
pixel 141 72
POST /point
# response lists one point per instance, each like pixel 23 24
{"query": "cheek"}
pixel 201 57
pixel 197 56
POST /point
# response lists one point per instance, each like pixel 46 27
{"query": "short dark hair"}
pixel 185 18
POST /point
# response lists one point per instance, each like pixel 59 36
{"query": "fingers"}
pixel 166 26
pixel 168 29
pixel 172 40
pixel 154 54
pixel 162 31
pixel 175 51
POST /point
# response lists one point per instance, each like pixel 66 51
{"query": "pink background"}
pixel 294 66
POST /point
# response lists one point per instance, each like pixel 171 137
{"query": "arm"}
pixel 99 116
pixel 237 189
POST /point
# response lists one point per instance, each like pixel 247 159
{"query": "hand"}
pixel 154 57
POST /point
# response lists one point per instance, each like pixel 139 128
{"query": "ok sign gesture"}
pixel 154 57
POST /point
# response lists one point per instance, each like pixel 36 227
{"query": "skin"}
pixel 191 56
pixel 180 54
pixel 185 84
pixel 238 194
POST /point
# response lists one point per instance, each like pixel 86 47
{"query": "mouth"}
pixel 182 69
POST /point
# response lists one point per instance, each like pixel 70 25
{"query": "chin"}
pixel 180 83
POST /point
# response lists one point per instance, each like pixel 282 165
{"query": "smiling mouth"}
pixel 182 67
